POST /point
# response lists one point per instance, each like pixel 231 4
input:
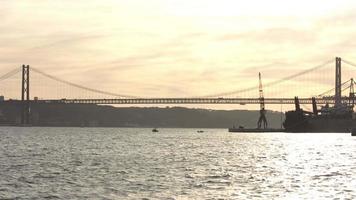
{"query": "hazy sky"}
pixel 174 47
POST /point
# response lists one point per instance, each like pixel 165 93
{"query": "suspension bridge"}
pixel 231 97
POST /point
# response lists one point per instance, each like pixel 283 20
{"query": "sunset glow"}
pixel 174 48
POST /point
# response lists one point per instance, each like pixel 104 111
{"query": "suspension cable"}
pixel 327 92
pixel 290 77
pixel 80 86
pixel 349 63
pixel 10 74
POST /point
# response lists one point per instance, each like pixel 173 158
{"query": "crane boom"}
pixel 262 101
pixel 262 118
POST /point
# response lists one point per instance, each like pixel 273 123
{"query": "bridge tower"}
pixel 338 82
pixel 25 95
pixel 352 94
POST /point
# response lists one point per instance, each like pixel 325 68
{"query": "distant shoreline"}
pixel 84 115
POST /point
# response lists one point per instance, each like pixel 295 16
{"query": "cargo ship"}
pixel 336 118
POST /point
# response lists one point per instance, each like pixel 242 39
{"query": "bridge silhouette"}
pixel 321 97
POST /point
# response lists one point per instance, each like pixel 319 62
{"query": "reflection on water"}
pixel 105 163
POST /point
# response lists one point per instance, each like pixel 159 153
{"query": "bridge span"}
pixel 241 101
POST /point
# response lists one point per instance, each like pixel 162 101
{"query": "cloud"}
pixel 120 46
pixel 163 55
pixel 274 36
pixel 60 41
pixel 340 19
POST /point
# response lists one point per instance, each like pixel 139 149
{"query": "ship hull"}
pixel 298 122
pixel 331 125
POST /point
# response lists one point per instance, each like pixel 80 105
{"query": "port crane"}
pixel 262 119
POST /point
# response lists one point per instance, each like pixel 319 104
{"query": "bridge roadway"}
pixel 241 101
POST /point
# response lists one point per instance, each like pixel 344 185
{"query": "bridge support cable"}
pixel 276 82
pixel 80 86
pixel 10 74
pixel 333 89
pixel 348 86
pixel 349 63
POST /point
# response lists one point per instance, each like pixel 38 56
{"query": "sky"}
pixel 174 48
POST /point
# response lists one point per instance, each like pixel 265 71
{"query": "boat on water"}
pixel 353 132
pixel 262 125
pixel 242 129
pixel 155 130
pixel 336 118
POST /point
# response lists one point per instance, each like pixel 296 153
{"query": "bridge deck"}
pixel 241 101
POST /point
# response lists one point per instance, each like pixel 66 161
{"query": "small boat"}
pixel 353 132
pixel 154 130
pixel 200 131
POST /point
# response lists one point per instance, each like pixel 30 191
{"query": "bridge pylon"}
pixel 25 95
pixel 338 82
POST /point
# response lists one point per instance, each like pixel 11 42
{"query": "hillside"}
pixel 109 116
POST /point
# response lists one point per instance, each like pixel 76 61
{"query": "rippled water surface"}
pixel 115 163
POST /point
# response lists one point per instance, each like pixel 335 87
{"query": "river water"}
pixel 118 163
